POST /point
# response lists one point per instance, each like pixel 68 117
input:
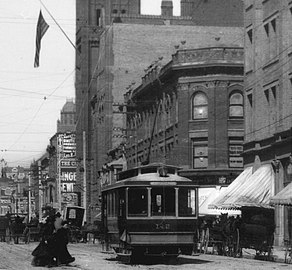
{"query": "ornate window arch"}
pixel 236 105
pixel 200 106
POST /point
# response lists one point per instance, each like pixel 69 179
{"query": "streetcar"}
pixel 150 211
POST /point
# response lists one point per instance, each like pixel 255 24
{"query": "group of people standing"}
pixel 52 249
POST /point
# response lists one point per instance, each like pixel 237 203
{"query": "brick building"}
pixel 268 95
pixel 47 170
pixel 213 12
pixel 189 113
pixel 115 44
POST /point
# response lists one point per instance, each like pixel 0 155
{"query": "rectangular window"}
pixel 200 154
pixel 249 50
pixel 98 17
pixel 249 34
pixel 111 204
pixel 249 97
pixel 266 44
pixel 274 92
pixel 186 202
pixel 137 202
pixel 267 95
pixel 290 27
pixel 274 40
pixel 163 201
pixel 235 153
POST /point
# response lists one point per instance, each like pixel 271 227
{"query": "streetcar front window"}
pixel 137 202
pixel 186 202
pixel 163 201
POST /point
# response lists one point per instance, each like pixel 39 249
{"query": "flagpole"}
pixel 58 25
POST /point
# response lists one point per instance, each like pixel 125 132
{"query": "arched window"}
pixel 236 105
pixel 200 106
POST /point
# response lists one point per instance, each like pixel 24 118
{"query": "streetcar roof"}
pixel 146 169
pixel 151 175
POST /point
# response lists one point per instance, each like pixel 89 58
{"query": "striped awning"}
pixel 284 197
pixel 207 196
pixel 248 190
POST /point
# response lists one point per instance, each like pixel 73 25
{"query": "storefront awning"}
pixel 207 196
pixel 284 197
pixel 248 190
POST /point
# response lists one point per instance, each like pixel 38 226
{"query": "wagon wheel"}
pixel 7 235
pixel 270 246
pixel 227 246
pixel 206 240
pixel 201 238
pixel 288 255
pixel 236 244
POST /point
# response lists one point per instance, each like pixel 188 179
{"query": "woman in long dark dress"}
pixel 61 237
pixel 52 249
pixel 43 254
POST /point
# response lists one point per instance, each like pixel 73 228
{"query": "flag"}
pixel 42 28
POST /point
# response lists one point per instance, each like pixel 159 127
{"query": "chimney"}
pixel 166 8
pixel 186 8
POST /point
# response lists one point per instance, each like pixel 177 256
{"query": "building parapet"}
pixel 224 55
pixel 145 16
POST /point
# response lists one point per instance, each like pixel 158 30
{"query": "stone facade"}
pixel 268 110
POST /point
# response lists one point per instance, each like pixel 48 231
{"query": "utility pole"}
pixel 165 125
pixel 84 175
pixel 59 152
pixel 29 197
pixel 40 188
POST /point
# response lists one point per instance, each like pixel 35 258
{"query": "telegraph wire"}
pixel 45 98
pixel 59 26
pixel 87 94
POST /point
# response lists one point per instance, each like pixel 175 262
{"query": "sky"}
pixel 31 98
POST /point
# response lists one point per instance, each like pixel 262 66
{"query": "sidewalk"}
pixel 278 255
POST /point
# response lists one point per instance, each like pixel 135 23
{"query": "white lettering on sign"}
pixel 68 163
pixel 67 187
pixel 3 201
pixel 67 145
pixel 69 176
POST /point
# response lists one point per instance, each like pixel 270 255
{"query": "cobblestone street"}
pixel 90 257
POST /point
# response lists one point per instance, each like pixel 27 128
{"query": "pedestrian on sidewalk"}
pixel 52 249
pixel 61 236
pixel 43 254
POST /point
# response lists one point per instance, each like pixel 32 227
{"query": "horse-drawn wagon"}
pixel 74 215
pixel 219 234
pixel 229 235
pixel 4 229
pixel 256 231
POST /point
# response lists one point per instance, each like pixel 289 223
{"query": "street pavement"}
pixel 90 257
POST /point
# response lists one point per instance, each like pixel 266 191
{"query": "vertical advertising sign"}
pixel 67 168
